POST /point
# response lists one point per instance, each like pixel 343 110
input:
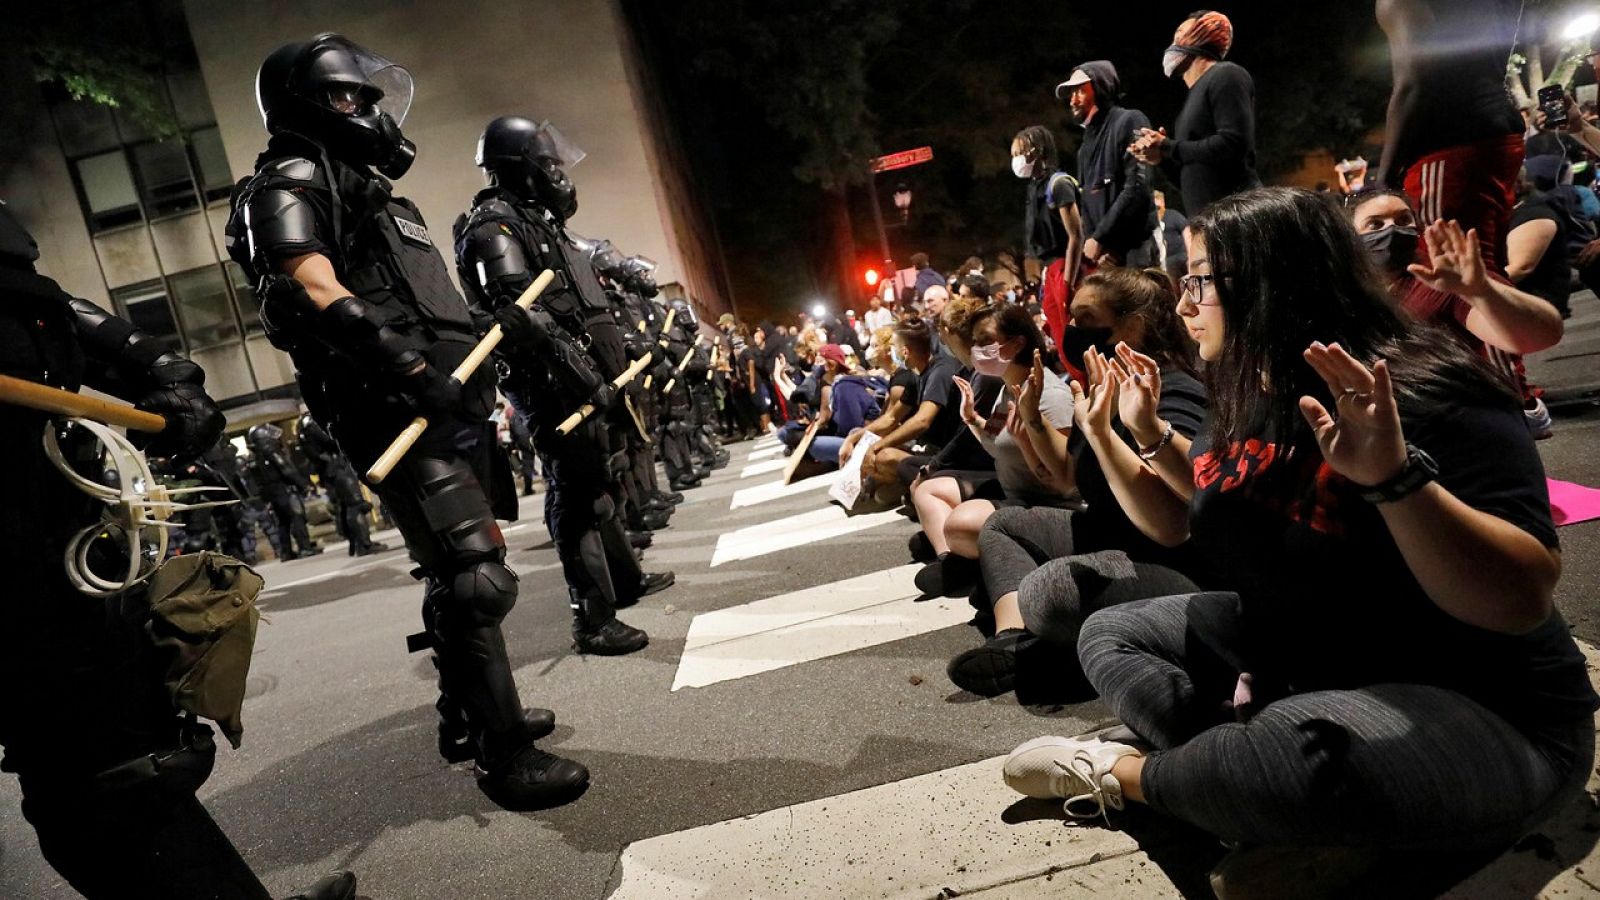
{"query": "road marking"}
pixel 794 531
pixel 815 623
pixel 763 454
pixel 765 467
pixel 876 842
pixel 761 493
pixel 347 569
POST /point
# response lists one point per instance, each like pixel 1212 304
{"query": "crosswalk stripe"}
pixel 763 454
pixel 765 444
pixel 775 490
pixel 812 624
pixel 765 467
pixel 794 531
pixel 823 848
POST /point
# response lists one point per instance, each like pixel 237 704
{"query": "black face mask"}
pixel 1076 340
pixel 1393 248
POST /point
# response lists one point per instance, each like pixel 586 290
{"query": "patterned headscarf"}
pixel 1209 34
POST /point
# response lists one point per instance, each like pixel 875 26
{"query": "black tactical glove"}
pixel 605 396
pixel 524 329
pixel 433 394
pixel 193 421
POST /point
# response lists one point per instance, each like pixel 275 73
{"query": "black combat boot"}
pixel 597 630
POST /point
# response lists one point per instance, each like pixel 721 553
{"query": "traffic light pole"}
pixel 883 233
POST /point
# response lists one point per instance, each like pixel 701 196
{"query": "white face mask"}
pixel 1173 60
pixel 897 357
pixel 988 361
pixel 1021 167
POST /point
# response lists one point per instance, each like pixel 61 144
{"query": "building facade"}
pixel 134 222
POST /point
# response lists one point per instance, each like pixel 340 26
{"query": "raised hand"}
pixel 969 404
pixel 1094 408
pixel 1028 395
pixel 1139 400
pixel 1364 443
pixel 1455 261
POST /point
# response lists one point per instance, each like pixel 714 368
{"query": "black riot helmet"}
pixel 342 96
pixel 264 438
pixel 608 261
pixel 639 276
pixel 18 249
pixel 530 160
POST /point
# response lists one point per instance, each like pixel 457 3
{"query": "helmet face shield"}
pixel 397 91
pixel 549 144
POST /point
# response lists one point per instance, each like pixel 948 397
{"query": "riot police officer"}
pixel 284 487
pixel 343 485
pixel 558 356
pixel 353 288
pixel 108 767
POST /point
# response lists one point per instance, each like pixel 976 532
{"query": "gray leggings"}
pixel 1403 766
pixel 1030 551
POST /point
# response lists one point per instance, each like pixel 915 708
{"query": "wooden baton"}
pixel 587 409
pixel 407 438
pixel 31 394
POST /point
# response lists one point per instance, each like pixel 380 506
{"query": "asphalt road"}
pixel 338 768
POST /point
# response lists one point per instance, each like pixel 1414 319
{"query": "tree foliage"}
pixel 103 64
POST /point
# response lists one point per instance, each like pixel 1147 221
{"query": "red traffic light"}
pixel 872 277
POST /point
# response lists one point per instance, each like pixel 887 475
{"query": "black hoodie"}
pixel 1117 208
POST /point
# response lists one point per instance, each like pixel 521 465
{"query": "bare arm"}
pixel 1073 220
pixel 912 428
pixel 315 273
pixel 1400 20
pixel 1158 512
pixel 1526 245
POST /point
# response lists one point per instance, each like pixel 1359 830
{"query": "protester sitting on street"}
pixel 935 421
pixel 1388 672
pixel 1026 554
pixel 1004 345
pixel 848 401
pixel 1450 285
pixel 963 458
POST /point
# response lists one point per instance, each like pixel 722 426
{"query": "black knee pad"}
pixel 483 592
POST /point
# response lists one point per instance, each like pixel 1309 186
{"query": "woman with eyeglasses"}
pixel 1387 671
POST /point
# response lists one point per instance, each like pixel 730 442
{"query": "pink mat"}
pixel 1573 503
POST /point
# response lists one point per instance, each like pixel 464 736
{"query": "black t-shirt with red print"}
pixel 1328 599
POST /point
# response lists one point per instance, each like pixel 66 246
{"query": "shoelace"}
pixel 1085 776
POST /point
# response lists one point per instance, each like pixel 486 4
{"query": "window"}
pixel 145 305
pixel 85 127
pixel 249 308
pixel 164 182
pixel 211 163
pixel 108 190
pixel 202 299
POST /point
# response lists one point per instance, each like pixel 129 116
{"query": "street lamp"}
pixel 1580 27
pixel 902 201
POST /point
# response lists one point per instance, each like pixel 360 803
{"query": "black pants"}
pixel 584 519
pixel 437 498
pixel 290 512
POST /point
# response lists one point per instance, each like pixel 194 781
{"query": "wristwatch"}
pixel 1419 470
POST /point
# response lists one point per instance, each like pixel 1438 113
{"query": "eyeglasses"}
pixel 1193 286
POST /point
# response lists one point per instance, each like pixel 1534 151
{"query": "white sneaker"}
pixel 1077 770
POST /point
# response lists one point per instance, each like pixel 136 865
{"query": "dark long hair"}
pixel 1290 270
pixel 1039 139
pixel 1148 294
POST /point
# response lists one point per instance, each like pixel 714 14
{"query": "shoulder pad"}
pixel 277 218
pixel 294 168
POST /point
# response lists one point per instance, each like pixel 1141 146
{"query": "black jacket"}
pixel 1116 205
